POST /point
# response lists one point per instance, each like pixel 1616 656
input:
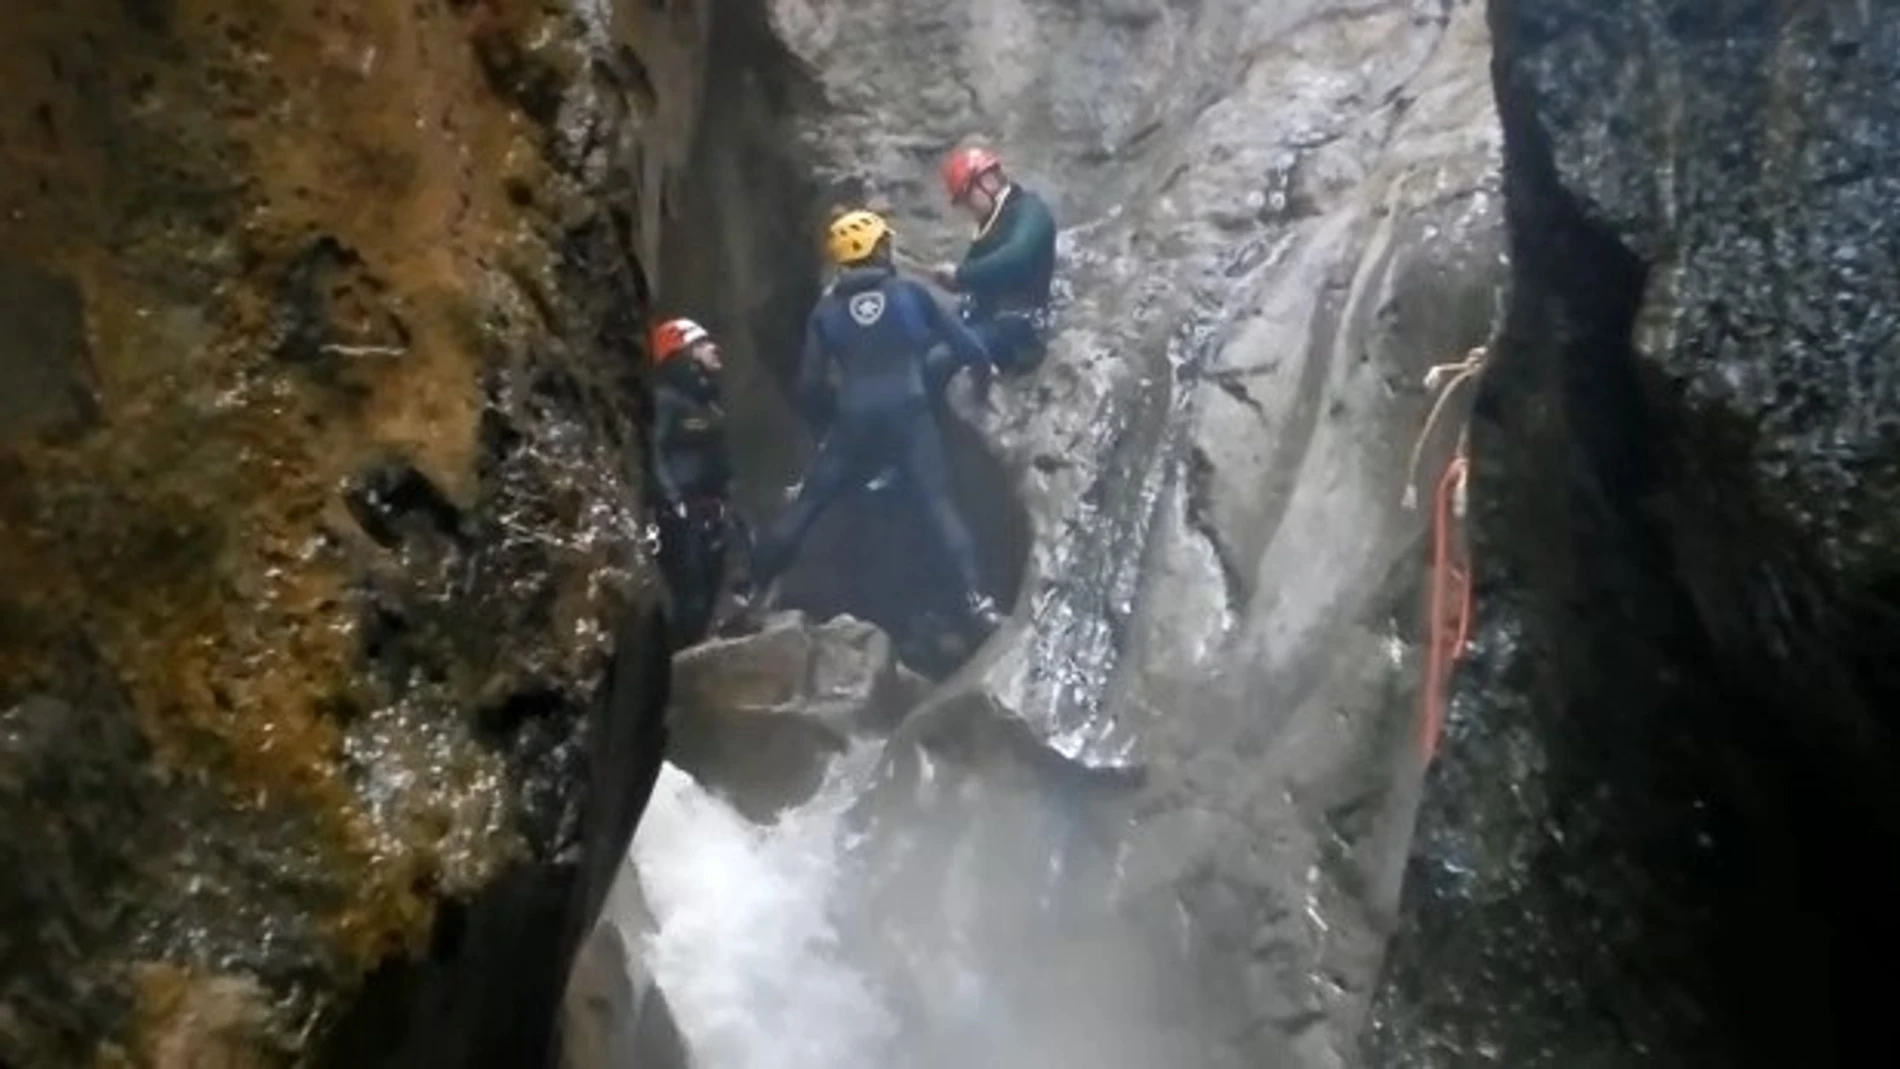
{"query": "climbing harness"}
pixel 1448 622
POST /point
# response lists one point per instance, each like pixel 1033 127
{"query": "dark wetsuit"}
pixel 874 329
pixel 1006 277
pixel 691 481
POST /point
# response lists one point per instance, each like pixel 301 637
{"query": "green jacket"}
pixel 1011 265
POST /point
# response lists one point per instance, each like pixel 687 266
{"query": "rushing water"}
pixel 746 948
pixel 950 933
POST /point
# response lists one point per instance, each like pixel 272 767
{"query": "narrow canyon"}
pixel 337 722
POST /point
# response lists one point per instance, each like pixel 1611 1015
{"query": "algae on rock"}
pixel 325 658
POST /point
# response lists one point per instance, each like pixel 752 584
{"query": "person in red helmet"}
pixel 691 475
pixel 1006 275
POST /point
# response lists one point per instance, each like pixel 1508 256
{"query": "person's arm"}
pixel 814 388
pixel 968 349
pixel 667 413
pixel 1010 261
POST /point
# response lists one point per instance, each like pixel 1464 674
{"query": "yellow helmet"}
pixel 854 236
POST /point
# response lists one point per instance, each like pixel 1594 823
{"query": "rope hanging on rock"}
pixel 1449 621
pixel 1445 378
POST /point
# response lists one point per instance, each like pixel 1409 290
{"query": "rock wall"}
pixel 328 666
pixel 1651 839
pixel 1275 217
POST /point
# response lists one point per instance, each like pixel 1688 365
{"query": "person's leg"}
pixel 739 534
pixel 927 470
pixel 939 366
pixel 679 567
pixel 709 564
pixel 829 478
pixel 1015 345
pixel 693 604
pixel 983 376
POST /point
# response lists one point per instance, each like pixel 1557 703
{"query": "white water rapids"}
pixel 787 946
pixel 745 947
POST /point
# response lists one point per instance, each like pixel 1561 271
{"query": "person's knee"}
pixel 961 548
pixel 774 543
pixel 1018 345
pixel 949 521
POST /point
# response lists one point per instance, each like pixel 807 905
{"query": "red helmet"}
pixel 673 337
pixel 962 168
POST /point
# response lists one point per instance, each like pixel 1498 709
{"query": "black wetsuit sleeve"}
pixel 964 344
pixel 1010 265
pixel 668 412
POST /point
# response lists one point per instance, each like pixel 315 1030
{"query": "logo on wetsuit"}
pixel 866 308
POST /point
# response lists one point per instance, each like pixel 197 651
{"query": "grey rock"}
pixel 615 1016
pixel 759 718
pixel 1675 738
pixel 1275 217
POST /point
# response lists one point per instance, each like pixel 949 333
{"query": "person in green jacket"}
pixel 1006 276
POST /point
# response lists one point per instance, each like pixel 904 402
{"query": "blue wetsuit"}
pixel 874 329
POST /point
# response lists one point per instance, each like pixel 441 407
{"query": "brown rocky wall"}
pixel 318 517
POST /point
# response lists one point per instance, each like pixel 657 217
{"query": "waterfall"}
pixel 927 943
pixel 744 944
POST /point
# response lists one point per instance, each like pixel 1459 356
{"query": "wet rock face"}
pixel 1275 217
pixel 615 1016
pixel 328 680
pixel 1675 741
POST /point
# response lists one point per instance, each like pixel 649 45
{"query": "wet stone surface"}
pixel 328 674
pixel 1675 734
pixel 759 718
pixel 1275 217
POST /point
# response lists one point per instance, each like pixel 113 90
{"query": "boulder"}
pixel 758 718
pixel 615 1015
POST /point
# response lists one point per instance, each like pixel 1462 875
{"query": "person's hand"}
pixel 945 275
pixel 679 509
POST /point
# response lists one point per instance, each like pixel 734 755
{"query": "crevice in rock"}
pixel 47 381
pixel 393 499
pixel 743 252
pixel 1197 504
pixel 332 310
pixel 1559 499
pixel 1232 382
pixel 501 721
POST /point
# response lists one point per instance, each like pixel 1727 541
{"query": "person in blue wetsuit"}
pixel 1006 275
pixel 873 330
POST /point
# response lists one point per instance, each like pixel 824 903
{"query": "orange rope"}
pixel 1450 620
